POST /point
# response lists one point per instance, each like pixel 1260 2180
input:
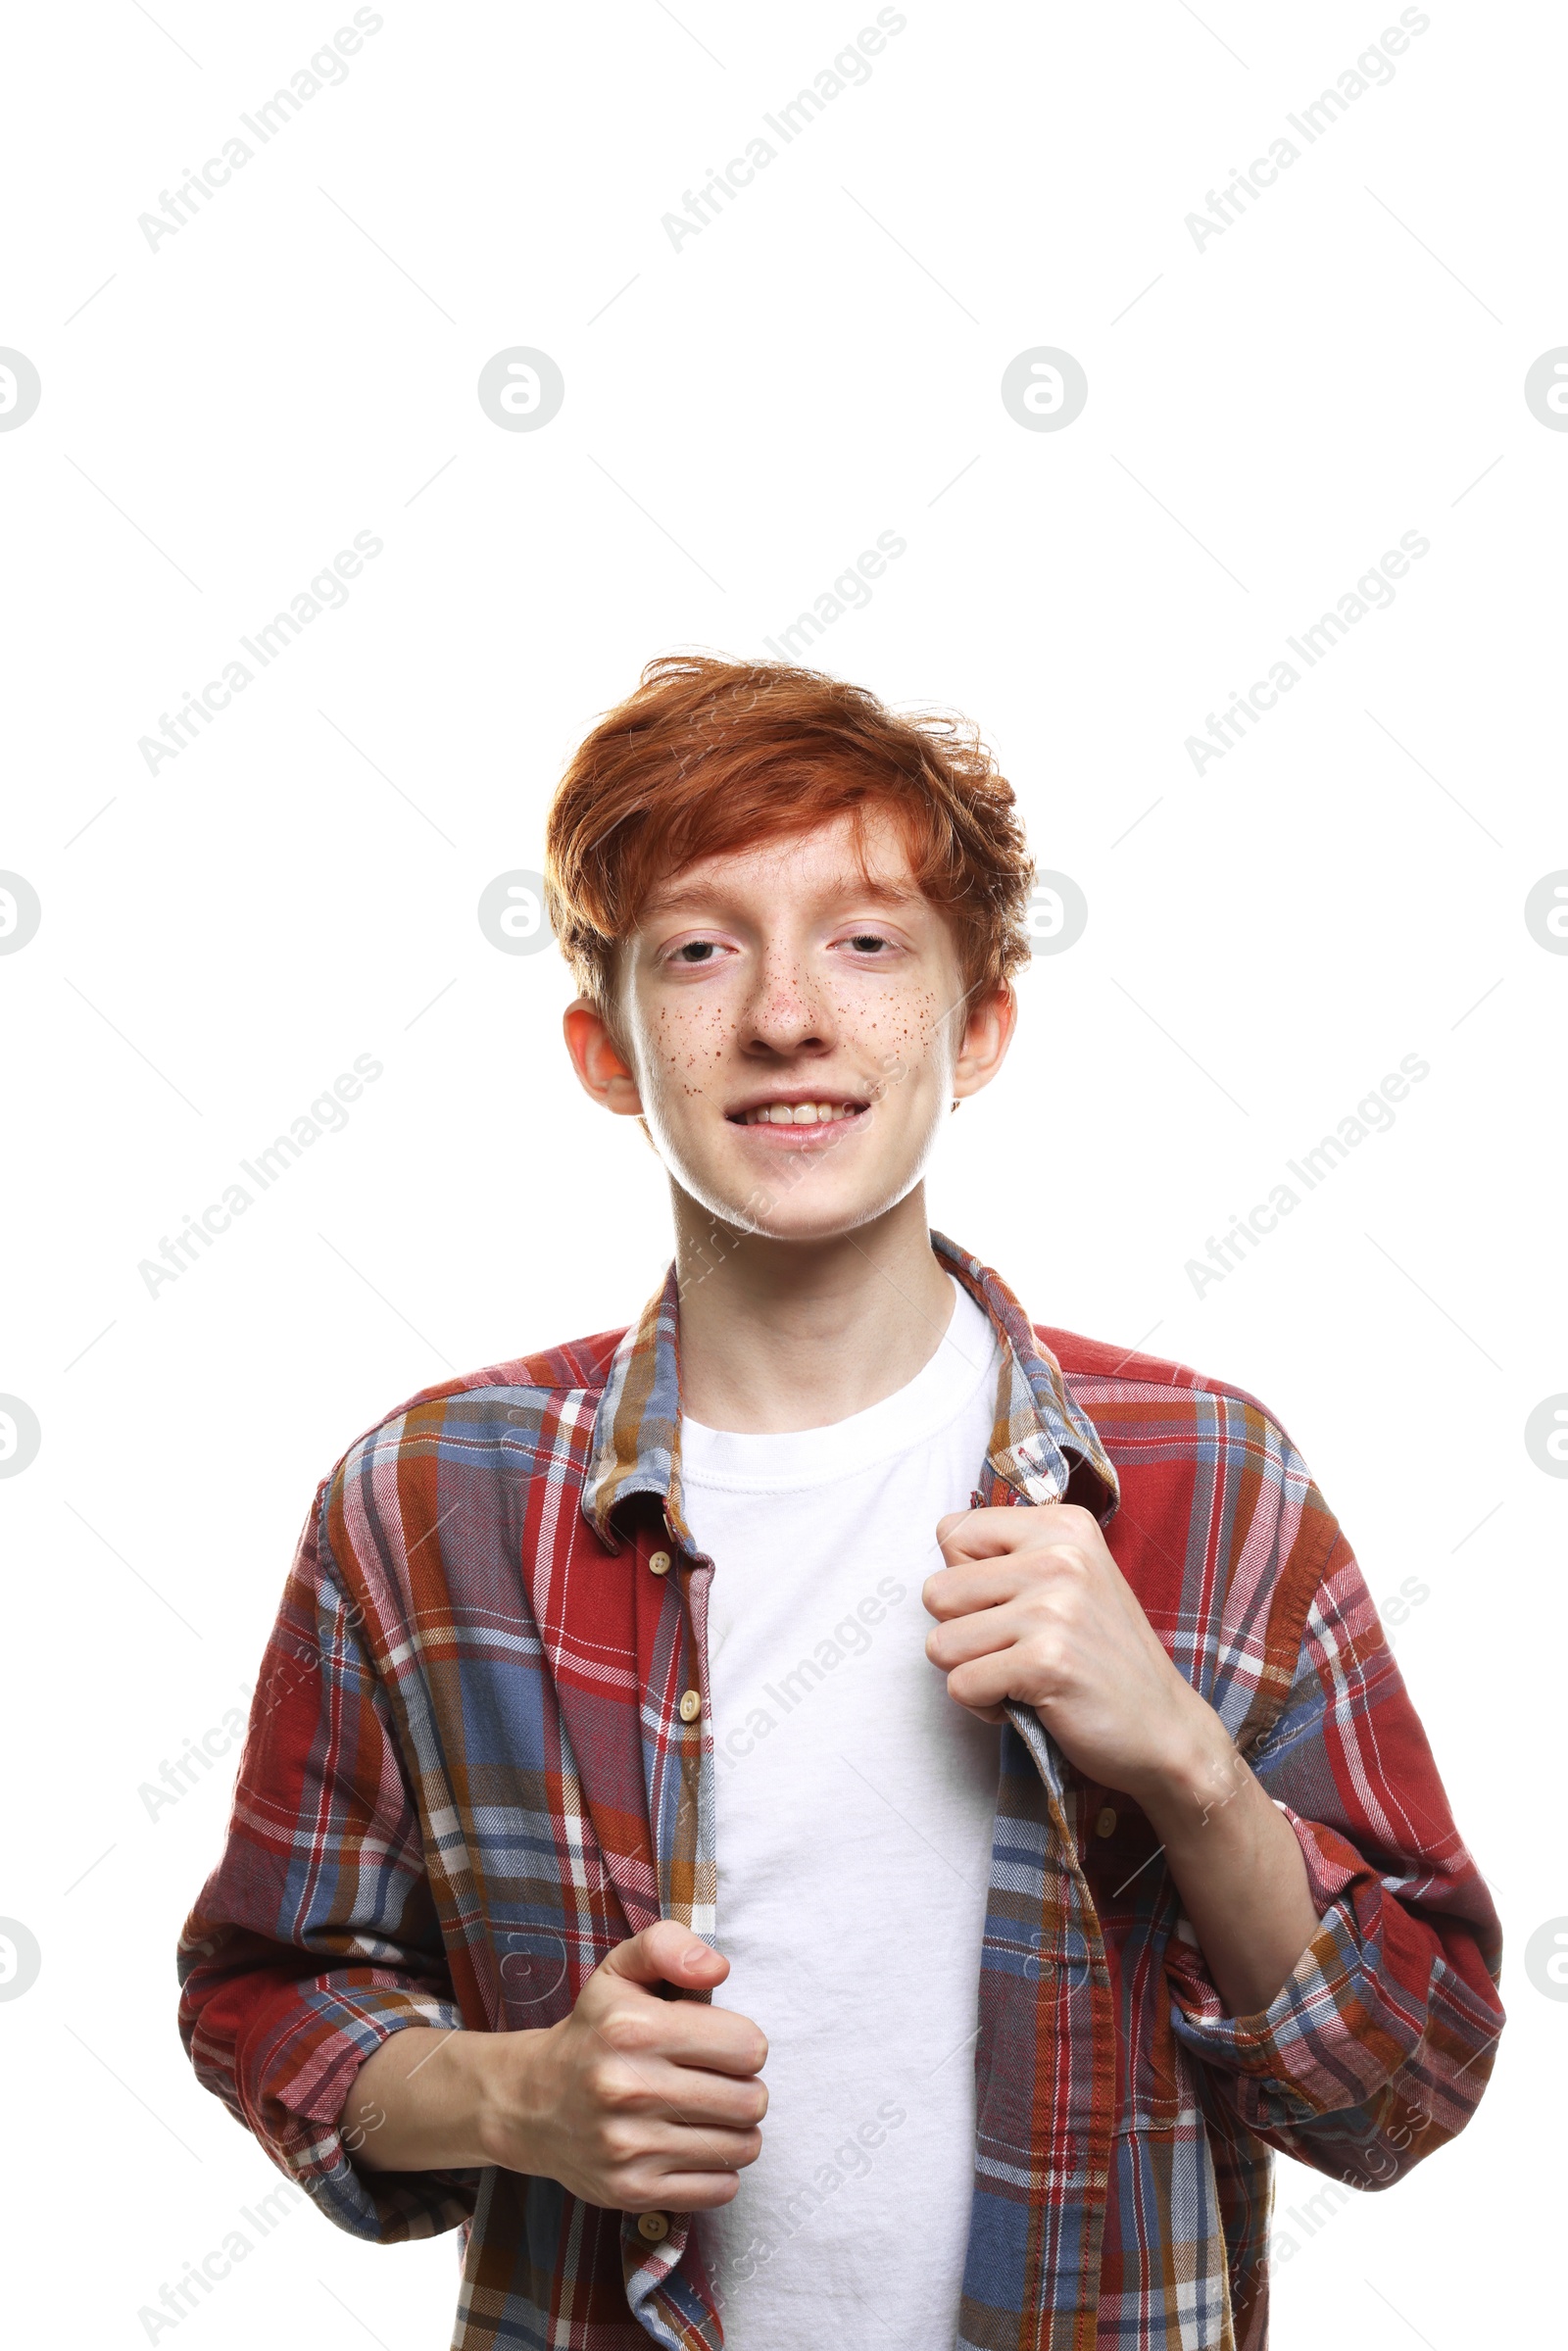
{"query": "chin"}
pixel 832 1221
pixel 799 1202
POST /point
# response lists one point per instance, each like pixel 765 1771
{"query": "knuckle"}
pixel 1056 1551
pixel 618 2143
pixel 625 2029
pixel 613 2087
pixel 1062 1574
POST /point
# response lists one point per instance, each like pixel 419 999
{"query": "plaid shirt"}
pixel 466 1778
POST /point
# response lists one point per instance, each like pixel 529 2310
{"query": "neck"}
pixel 782 1335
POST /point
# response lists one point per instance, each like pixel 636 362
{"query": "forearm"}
pixel 418 2102
pixel 634 2102
pixel 1238 1867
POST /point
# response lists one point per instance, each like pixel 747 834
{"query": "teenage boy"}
pixel 836 1814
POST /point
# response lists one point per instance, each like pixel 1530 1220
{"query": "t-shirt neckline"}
pixel 786 1461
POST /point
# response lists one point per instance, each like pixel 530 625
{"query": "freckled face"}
pixel 792 1027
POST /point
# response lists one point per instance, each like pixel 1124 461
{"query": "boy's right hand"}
pixel 633 2101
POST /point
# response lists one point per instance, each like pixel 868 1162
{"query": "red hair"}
pixel 709 756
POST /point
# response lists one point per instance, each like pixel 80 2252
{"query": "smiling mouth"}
pixel 800 1118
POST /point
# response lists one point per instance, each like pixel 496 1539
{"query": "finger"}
pixel 975 1534
pixel 988 1681
pixel 1046 1545
pixel 1019 1531
pixel 972 1583
pixel 717 2040
pixel 990 1533
pixel 666 1953
pixel 682 2094
pixel 695 2190
pixel 957 1591
pixel 648 2111
pixel 635 2097
pixel 671 2146
pixel 962 1638
pixel 678 2149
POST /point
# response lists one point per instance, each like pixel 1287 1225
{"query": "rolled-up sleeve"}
pixel 1378 2047
pixel 316 1937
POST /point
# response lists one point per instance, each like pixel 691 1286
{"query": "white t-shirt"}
pixel 856 1806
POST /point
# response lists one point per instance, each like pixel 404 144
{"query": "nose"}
pixel 787 1012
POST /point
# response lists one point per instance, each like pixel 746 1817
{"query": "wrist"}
pixel 502 2098
pixel 1198 1777
pixel 415 2102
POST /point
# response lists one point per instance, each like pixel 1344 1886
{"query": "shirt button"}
pixel 653 2226
pixel 659 1564
pixel 1106 1821
pixel 691 1706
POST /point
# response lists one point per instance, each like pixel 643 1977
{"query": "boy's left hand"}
pixel 1032 1606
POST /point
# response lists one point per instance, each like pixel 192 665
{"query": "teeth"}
pixel 798 1114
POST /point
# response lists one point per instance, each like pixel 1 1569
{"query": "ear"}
pixel 987 1035
pixel 603 1070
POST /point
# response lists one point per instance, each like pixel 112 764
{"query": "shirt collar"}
pixel 1041 1439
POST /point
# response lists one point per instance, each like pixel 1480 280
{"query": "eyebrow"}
pixel 852 886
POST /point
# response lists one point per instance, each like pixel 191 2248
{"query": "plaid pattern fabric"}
pixel 466 1778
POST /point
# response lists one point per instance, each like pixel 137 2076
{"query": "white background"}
pixel 1265 417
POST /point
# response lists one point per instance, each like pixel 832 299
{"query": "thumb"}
pixel 666 1953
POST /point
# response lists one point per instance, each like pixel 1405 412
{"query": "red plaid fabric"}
pixel 466 1778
